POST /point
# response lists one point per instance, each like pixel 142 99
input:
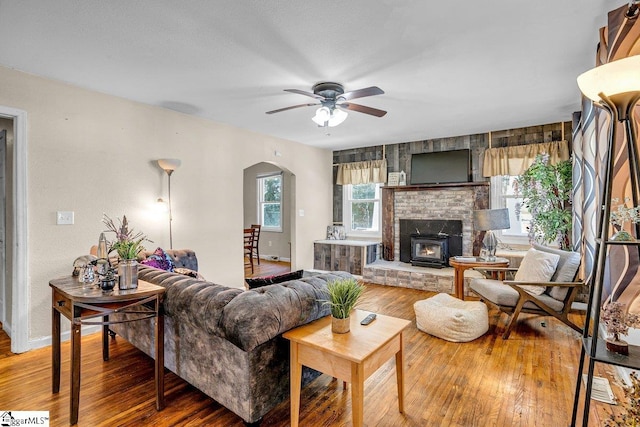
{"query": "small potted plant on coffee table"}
pixel 128 244
pixel 343 296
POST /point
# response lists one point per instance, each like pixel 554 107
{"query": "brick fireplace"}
pixel 433 202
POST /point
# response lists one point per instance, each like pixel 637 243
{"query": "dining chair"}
pixel 256 241
pixel 249 236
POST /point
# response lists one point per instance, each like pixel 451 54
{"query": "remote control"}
pixel 370 318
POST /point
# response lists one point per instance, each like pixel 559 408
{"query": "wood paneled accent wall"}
pixel 399 155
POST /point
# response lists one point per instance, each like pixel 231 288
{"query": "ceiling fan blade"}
pixel 362 109
pixel 361 93
pixel 302 92
pixel 290 108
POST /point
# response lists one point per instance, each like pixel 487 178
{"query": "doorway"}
pixel 275 244
pixel 14 292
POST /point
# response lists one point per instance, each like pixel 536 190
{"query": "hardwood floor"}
pixel 527 380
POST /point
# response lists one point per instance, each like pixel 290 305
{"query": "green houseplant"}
pixel 128 245
pixel 546 191
pixel 343 295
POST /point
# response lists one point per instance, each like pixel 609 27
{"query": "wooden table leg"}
pixel 105 338
pixel 55 350
pixel 296 383
pixel 400 374
pixel 357 394
pixel 75 372
pixel 159 366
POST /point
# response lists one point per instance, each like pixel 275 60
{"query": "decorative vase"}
pixel 128 273
pixel 340 326
pixel 622 236
pixel 617 345
pixel 108 284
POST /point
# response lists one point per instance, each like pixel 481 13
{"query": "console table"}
pixel 351 357
pixel 92 306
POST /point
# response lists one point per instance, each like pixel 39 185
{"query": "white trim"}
pixel 64 336
pixel 20 283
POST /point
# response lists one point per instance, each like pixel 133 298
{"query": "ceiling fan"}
pixel 334 101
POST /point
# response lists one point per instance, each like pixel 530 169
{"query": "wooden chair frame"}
pixel 249 237
pixel 524 297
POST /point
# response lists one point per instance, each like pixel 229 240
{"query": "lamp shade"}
pixel 169 164
pixel 491 219
pixel 612 78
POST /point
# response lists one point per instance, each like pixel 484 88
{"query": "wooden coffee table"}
pixel 351 357
pixel 92 306
pixel 460 265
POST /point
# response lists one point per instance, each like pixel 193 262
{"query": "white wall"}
pixel 92 153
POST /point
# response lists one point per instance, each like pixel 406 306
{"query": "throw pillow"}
pixel 536 266
pixel 271 280
pixel 159 259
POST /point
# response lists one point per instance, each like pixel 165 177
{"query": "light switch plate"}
pixel 64 218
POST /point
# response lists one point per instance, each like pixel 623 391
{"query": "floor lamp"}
pixel 614 86
pixel 169 165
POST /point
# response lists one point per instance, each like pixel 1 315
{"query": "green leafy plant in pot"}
pixel 128 245
pixel 546 191
pixel 343 296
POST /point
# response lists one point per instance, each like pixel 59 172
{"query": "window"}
pixel 503 196
pixel 270 202
pixel 361 209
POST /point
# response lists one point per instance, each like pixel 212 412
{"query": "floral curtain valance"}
pixel 362 172
pixel 516 159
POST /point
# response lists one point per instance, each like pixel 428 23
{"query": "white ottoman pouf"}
pixel 452 319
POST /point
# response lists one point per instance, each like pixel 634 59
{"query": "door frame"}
pixel 19 277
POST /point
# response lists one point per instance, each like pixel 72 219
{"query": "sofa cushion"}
pixel 536 266
pixel 258 282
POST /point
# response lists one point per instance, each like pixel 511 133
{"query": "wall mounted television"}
pixel 441 167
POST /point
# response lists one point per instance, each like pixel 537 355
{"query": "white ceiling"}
pixel 448 68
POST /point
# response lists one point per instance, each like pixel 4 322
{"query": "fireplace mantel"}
pixel 480 191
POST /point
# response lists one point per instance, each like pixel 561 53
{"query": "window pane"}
pixel 271 215
pixel 272 189
pixel 362 215
pixel 363 191
pixel 519 216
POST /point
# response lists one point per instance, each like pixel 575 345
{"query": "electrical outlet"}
pixel 64 218
pixel 269 243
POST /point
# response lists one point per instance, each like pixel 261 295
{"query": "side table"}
pixel 460 264
pixel 351 357
pixel 92 306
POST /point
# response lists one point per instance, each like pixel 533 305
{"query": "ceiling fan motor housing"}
pixel 329 90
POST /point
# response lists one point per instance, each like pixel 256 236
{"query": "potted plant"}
pixel 620 217
pixel 546 191
pixel 343 296
pixel 128 245
pixel 617 322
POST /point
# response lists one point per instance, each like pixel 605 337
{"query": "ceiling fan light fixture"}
pixel 337 116
pixel 329 117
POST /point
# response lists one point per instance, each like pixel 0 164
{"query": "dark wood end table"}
pixel 92 306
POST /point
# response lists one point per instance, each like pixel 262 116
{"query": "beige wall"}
pixel 92 154
pixel 271 243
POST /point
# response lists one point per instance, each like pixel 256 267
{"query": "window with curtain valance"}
pixel 372 171
pixel 514 160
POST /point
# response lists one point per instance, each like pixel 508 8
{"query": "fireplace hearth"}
pixel 430 251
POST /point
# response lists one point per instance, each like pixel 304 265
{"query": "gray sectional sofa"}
pixel 226 341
